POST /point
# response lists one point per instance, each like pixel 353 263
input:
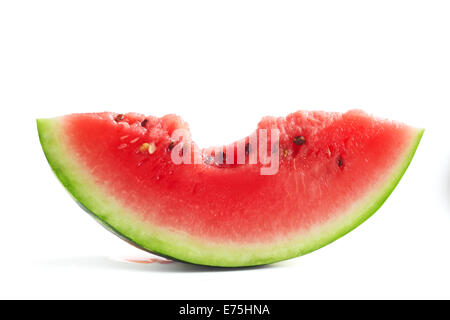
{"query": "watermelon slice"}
pixel 334 171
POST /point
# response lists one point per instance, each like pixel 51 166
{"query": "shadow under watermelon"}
pixel 103 262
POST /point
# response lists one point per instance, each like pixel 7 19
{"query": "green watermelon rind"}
pixel 181 246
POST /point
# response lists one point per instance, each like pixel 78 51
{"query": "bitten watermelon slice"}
pixel 334 171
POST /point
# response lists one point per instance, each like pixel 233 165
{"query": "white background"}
pixel 222 65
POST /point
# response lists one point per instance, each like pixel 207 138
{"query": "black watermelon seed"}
pixel 119 117
pixel 171 145
pixel 221 156
pixel 339 162
pixel 247 149
pixel 299 140
pixel 144 122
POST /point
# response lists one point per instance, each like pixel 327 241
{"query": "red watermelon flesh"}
pixel 335 170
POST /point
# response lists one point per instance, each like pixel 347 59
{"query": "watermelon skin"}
pixel 190 247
